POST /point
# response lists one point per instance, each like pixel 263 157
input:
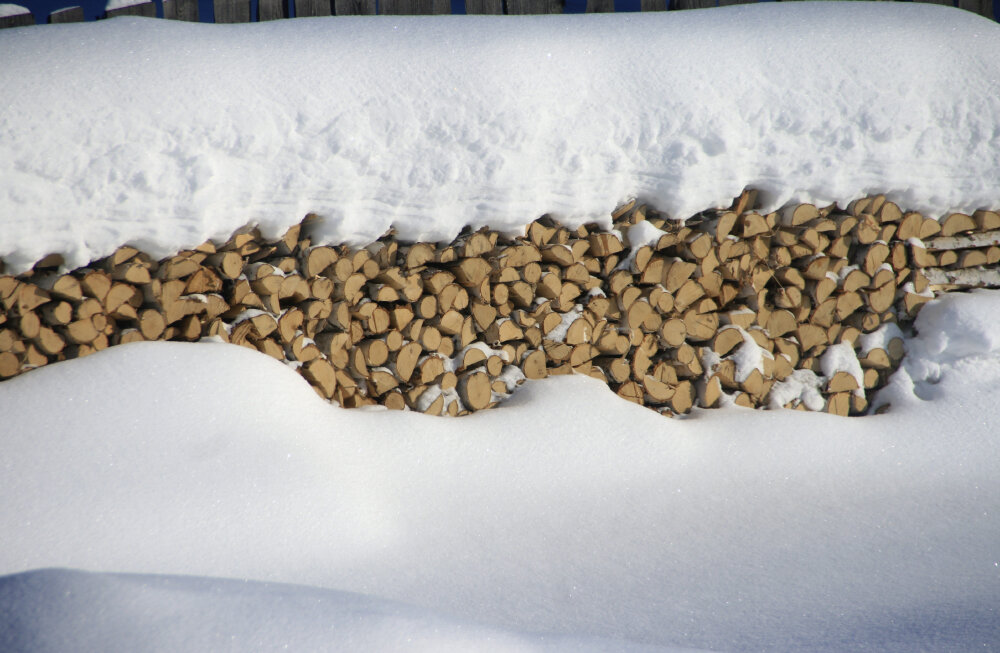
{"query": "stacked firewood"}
pixel 713 311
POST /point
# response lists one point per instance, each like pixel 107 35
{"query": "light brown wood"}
pixel 57 312
pixel 841 382
pixel 800 214
pixel 474 389
pixel 10 365
pixel 48 341
pixel 151 324
pixel 956 223
pixel 66 286
pixel 82 331
pixel 700 326
pixel 839 404
pixel 678 274
pixel 780 322
pixel 322 375
pixel 471 272
pixel 877 359
pixel 406 361
pixel 881 299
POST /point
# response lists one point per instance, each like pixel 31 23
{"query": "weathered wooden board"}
pixel 600 6
pixel 232 11
pixel 691 4
pixel 271 9
pixel 307 8
pixel 354 7
pixel 653 5
pixel 186 10
pixel 20 20
pixel 147 9
pixel 981 7
pixel 534 6
pixel 66 15
pixel 484 6
pixel 415 7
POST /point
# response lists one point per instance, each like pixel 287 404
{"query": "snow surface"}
pixel 121 4
pixel 7 9
pixel 62 610
pixel 430 123
pixel 565 512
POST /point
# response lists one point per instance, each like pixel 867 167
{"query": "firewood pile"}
pixel 722 309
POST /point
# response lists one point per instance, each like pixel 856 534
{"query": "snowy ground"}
pixel 166 496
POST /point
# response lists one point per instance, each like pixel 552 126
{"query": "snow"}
pixel 121 4
pixel 749 356
pixel 803 385
pixel 74 610
pixel 842 358
pixel 565 512
pixel 419 123
pixel 7 9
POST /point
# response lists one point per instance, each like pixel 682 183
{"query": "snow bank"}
pixel 163 133
pixel 565 511
pixel 61 610
pixel 111 5
pixel 7 9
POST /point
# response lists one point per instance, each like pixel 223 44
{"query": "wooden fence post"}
pixel 147 9
pixel 652 5
pixel 691 4
pixel 494 7
pixel 521 7
pixel 415 7
pixel 17 20
pixel 307 8
pixel 354 7
pixel 66 15
pixel 981 7
pixel 181 10
pixel 600 6
pixel 271 10
pixel 232 11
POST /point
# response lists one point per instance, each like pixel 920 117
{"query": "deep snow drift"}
pixel 58 610
pixel 565 511
pixel 162 133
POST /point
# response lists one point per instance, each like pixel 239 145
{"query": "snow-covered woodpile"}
pixel 732 306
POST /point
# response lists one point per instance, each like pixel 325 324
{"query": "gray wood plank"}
pixel 66 15
pixel 726 3
pixel 484 7
pixel 147 9
pixel 414 7
pixel 181 10
pixel 518 7
pixel 232 11
pixel 307 8
pixel 691 4
pixel 652 5
pixel 981 7
pixel 600 6
pixel 271 10
pixel 354 7
pixel 20 20
pixel 948 3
